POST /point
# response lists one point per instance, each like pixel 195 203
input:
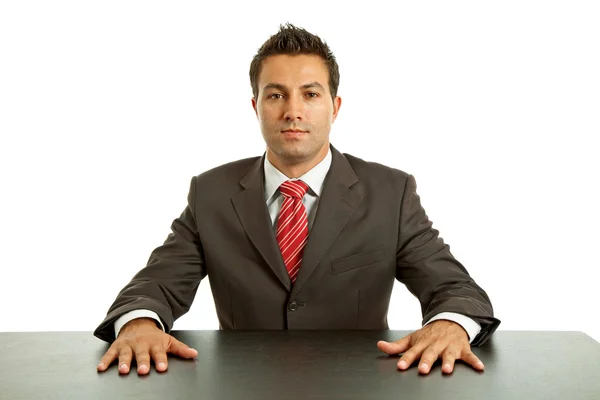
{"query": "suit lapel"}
pixel 336 203
pixel 251 208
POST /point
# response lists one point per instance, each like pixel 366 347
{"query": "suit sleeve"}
pixel 432 274
pixel 168 283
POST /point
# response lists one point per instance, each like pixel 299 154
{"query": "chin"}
pixel 293 152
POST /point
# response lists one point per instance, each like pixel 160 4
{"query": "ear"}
pixel 255 105
pixel 337 103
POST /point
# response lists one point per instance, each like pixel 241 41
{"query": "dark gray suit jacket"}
pixel 369 229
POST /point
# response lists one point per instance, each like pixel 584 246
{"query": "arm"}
pixel 471 327
pixel 168 283
pixel 131 315
pixel 432 274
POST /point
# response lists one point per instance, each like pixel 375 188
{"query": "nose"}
pixel 294 109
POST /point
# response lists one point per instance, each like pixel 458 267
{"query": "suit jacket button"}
pixel 293 306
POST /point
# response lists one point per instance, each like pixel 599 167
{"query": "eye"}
pixel 272 96
pixel 312 95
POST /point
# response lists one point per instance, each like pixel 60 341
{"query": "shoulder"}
pixel 221 182
pixel 374 171
pixel 232 171
pixel 382 181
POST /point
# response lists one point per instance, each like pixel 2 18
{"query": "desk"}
pixel 301 365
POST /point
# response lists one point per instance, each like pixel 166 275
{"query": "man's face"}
pixel 294 107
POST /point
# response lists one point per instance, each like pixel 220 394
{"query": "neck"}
pixel 296 168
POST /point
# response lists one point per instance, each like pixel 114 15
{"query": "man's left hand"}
pixel 440 337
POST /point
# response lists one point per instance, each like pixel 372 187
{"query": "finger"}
pixel 159 355
pixel 107 359
pixel 448 359
pixel 430 355
pixel 143 360
pixel 125 355
pixel 470 358
pixel 397 347
pixel 412 354
pixel 180 349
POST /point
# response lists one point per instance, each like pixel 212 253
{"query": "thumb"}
pixel 180 349
pixel 393 348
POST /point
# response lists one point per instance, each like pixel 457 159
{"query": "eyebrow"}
pixel 279 86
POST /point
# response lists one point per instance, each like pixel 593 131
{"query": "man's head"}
pixel 294 78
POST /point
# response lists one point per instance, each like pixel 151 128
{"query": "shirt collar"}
pixel 313 178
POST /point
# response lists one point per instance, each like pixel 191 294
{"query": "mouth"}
pixel 293 131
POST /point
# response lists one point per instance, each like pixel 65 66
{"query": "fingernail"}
pixel 479 364
pixel 101 365
pixel 447 366
pixel 123 366
pixel 424 366
pixel 161 365
pixel 402 364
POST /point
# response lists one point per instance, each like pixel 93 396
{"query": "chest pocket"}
pixel 357 261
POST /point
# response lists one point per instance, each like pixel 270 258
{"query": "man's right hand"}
pixel 142 339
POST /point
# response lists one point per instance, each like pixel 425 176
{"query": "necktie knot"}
pixel 296 189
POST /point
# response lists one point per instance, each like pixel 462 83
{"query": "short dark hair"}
pixel 291 40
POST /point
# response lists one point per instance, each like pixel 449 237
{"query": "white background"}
pixel 108 108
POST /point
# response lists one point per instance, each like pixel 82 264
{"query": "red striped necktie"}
pixel 292 226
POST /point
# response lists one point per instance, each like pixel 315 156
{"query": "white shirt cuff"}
pixel 125 318
pixel 473 328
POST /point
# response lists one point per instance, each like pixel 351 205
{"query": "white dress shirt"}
pixel 314 179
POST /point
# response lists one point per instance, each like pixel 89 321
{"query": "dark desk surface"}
pixel 301 365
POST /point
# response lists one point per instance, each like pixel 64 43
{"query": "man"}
pixel 304 237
